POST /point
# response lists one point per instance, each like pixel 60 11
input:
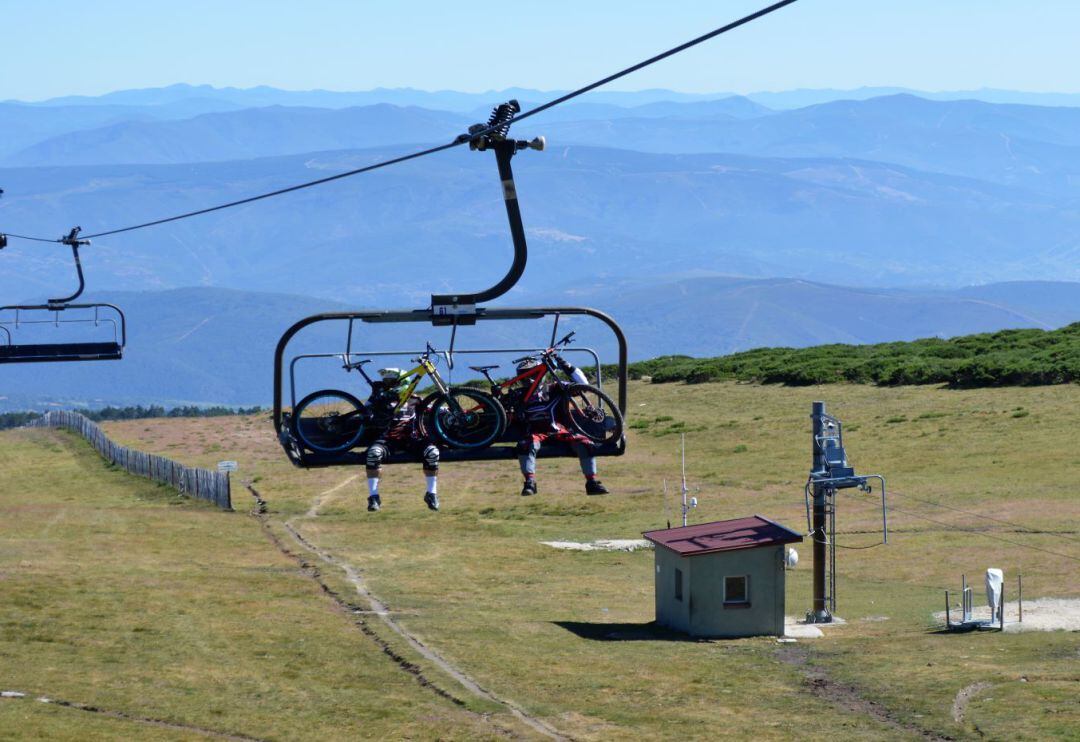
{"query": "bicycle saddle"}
pixel 482 369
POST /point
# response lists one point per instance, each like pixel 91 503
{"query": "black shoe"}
pixel 529 488
pixel 432 500
pixel 595 487
pixel 374 502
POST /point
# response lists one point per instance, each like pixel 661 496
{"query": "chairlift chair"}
pixel 64 314
pixel 454 311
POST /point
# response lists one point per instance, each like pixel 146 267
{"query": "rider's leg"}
pixel 593 486
pixel 527 449
pixel 376 454
pixel 431 474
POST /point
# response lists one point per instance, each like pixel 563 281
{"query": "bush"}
pixel 1005 358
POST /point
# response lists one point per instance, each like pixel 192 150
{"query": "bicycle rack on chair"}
pixel 111 348
pixel 453 310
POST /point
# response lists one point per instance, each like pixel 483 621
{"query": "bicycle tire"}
pixel 329 421
pixel 483 423
pixel 588 410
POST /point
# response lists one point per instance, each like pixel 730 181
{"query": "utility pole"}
pixel 830 472
pixel 820 613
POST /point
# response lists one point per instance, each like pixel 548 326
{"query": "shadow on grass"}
pixel 624 632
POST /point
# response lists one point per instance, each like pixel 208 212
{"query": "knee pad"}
pixel 523 448
pixel 431 458
pixel 376 455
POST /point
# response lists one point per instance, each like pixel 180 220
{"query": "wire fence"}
pixel 189 481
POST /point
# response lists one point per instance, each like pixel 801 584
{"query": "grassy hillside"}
pixel 568 636
pixel 1006 358
pixel 117 594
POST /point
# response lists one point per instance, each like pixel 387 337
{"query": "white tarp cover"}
pixel 994 579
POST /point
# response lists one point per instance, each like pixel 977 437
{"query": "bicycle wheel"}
pixel 329 421
pixel 464 418
pixel 591 412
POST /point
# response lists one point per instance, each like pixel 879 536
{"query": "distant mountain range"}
pixel 438 224
pixel 216 346
pixel 1030 146
pixel 452 100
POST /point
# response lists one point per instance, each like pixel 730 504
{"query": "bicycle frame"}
pixel 541 371
pixel 426 368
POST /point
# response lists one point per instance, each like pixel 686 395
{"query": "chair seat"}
pixel 55 352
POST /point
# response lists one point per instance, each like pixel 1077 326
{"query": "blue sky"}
pixel 61 47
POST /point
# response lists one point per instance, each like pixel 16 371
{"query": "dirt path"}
pixel 374 606
pixel 845 697
pixel 963 698
pixel 12 695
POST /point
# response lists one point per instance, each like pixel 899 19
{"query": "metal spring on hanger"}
pixel 501 118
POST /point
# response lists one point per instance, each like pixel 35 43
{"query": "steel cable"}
pixel 984 533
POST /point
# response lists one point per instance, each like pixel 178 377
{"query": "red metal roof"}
pixel 723 535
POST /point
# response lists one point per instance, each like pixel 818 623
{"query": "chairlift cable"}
pixel 280 191
pixel 458 141
pixel 1026 529
pixel 986 534
pixel 653 60
pixel 32 239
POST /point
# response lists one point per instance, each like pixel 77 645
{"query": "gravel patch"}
pixel 1042 614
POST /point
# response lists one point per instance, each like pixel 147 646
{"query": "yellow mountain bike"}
pixel 333 421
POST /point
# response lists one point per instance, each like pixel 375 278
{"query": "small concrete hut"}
pixel 722 579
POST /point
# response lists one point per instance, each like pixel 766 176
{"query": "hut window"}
pixel 678 584
pixel 736 589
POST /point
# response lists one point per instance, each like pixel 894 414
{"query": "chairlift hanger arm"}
pixel 459 308
pixel 72 240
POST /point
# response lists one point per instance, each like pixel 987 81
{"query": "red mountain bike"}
pixel 582 408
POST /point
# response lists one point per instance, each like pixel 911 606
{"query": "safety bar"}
pixel 426 316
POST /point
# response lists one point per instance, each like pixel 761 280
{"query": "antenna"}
pixel 667 508
pixel 686 506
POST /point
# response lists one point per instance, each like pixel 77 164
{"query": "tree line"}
pixel 133 412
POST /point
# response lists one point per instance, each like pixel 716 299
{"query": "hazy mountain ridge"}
pixel 438 224
pixel 1037 148
pixel 264 95
pixel 245 134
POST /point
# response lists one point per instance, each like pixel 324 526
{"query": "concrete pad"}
pixel 798 629
pixel 615 544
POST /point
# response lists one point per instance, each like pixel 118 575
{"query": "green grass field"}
pixel 114 593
